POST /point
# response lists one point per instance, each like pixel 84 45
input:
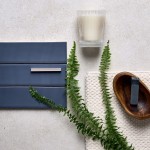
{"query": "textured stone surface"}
pixel 127 28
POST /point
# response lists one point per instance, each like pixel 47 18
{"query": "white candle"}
pixel 91 27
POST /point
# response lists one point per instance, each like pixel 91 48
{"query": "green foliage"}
pixel 110 118
pixel 85 121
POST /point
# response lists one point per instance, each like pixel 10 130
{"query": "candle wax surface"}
pixel 91 27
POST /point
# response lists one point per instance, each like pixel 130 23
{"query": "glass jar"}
pixel 91 24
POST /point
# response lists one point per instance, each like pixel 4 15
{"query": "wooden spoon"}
pixel 122 90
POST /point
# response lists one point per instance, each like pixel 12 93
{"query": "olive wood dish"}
pixel 122 90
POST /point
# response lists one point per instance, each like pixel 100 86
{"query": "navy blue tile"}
pixel 37 52
pixel 20 74
pixel 20 98
pixel 16 61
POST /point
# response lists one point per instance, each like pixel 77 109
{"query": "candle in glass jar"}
pixel 91 27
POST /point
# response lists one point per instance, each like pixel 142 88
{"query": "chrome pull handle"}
pixel 45 69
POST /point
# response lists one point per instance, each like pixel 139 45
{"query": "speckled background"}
pixel 127 28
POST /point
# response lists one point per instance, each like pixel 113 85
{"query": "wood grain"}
pixel 122 90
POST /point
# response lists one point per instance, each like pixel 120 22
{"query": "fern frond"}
pixel 81 127
pixel 76 99
pixel 110 118
pixel 81 109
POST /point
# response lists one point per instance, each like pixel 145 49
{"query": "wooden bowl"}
pixel 122 90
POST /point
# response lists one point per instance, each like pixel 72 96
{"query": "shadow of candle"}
pixel 91 51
